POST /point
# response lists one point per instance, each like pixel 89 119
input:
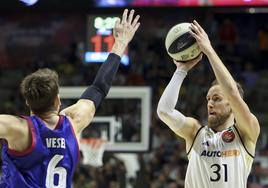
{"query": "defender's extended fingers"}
pixel 135 20
pixel 116 26
pixel 136 26
pixel 130 17
pixel 124 16
pixel 117 22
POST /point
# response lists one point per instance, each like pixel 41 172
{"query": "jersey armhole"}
pixel 194 139
pixel 240 138
pixel 33 141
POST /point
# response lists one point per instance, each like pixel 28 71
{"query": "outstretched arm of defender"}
pixel 83 111
pixel 183 126
pixel 246 122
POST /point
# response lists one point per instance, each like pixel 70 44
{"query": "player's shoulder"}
pixel 11 126
pixel 12 119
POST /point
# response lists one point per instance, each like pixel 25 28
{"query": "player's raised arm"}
pixel 83 111
pixel 177 122
pixel 245 121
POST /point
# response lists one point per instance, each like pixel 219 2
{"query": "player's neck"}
pixel 48 115
pixel 50 118
pixel 228 123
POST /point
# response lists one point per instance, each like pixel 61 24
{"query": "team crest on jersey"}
pixel 228 135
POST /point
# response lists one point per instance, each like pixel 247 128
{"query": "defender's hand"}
pixel 189 64
pixel 125 29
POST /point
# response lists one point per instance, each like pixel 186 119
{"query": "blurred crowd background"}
pixel 29 41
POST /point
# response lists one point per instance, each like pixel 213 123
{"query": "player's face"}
pixel 219 108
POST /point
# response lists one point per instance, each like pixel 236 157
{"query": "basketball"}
pixel 180 44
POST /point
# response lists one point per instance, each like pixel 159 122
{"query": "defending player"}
pixel 221 153
pixel 42 150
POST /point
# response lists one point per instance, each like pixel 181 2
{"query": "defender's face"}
pixel 219 108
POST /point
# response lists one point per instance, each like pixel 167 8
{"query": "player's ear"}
pixel 27 103
pixel 57 101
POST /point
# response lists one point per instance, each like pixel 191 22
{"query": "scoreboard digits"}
pixel 100 39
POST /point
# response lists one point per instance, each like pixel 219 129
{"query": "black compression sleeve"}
pixel 103 80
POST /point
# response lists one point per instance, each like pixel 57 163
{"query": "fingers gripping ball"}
pixel 180 44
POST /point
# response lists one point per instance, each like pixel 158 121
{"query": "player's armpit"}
pixel 184 127
pixel 81 114
pixel 189 130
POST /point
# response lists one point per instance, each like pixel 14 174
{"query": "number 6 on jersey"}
pixel 52 170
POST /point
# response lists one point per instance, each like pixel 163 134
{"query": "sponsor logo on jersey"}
pixel 205 143
pixel 228 136
pixel 55 143
pixel 225 153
